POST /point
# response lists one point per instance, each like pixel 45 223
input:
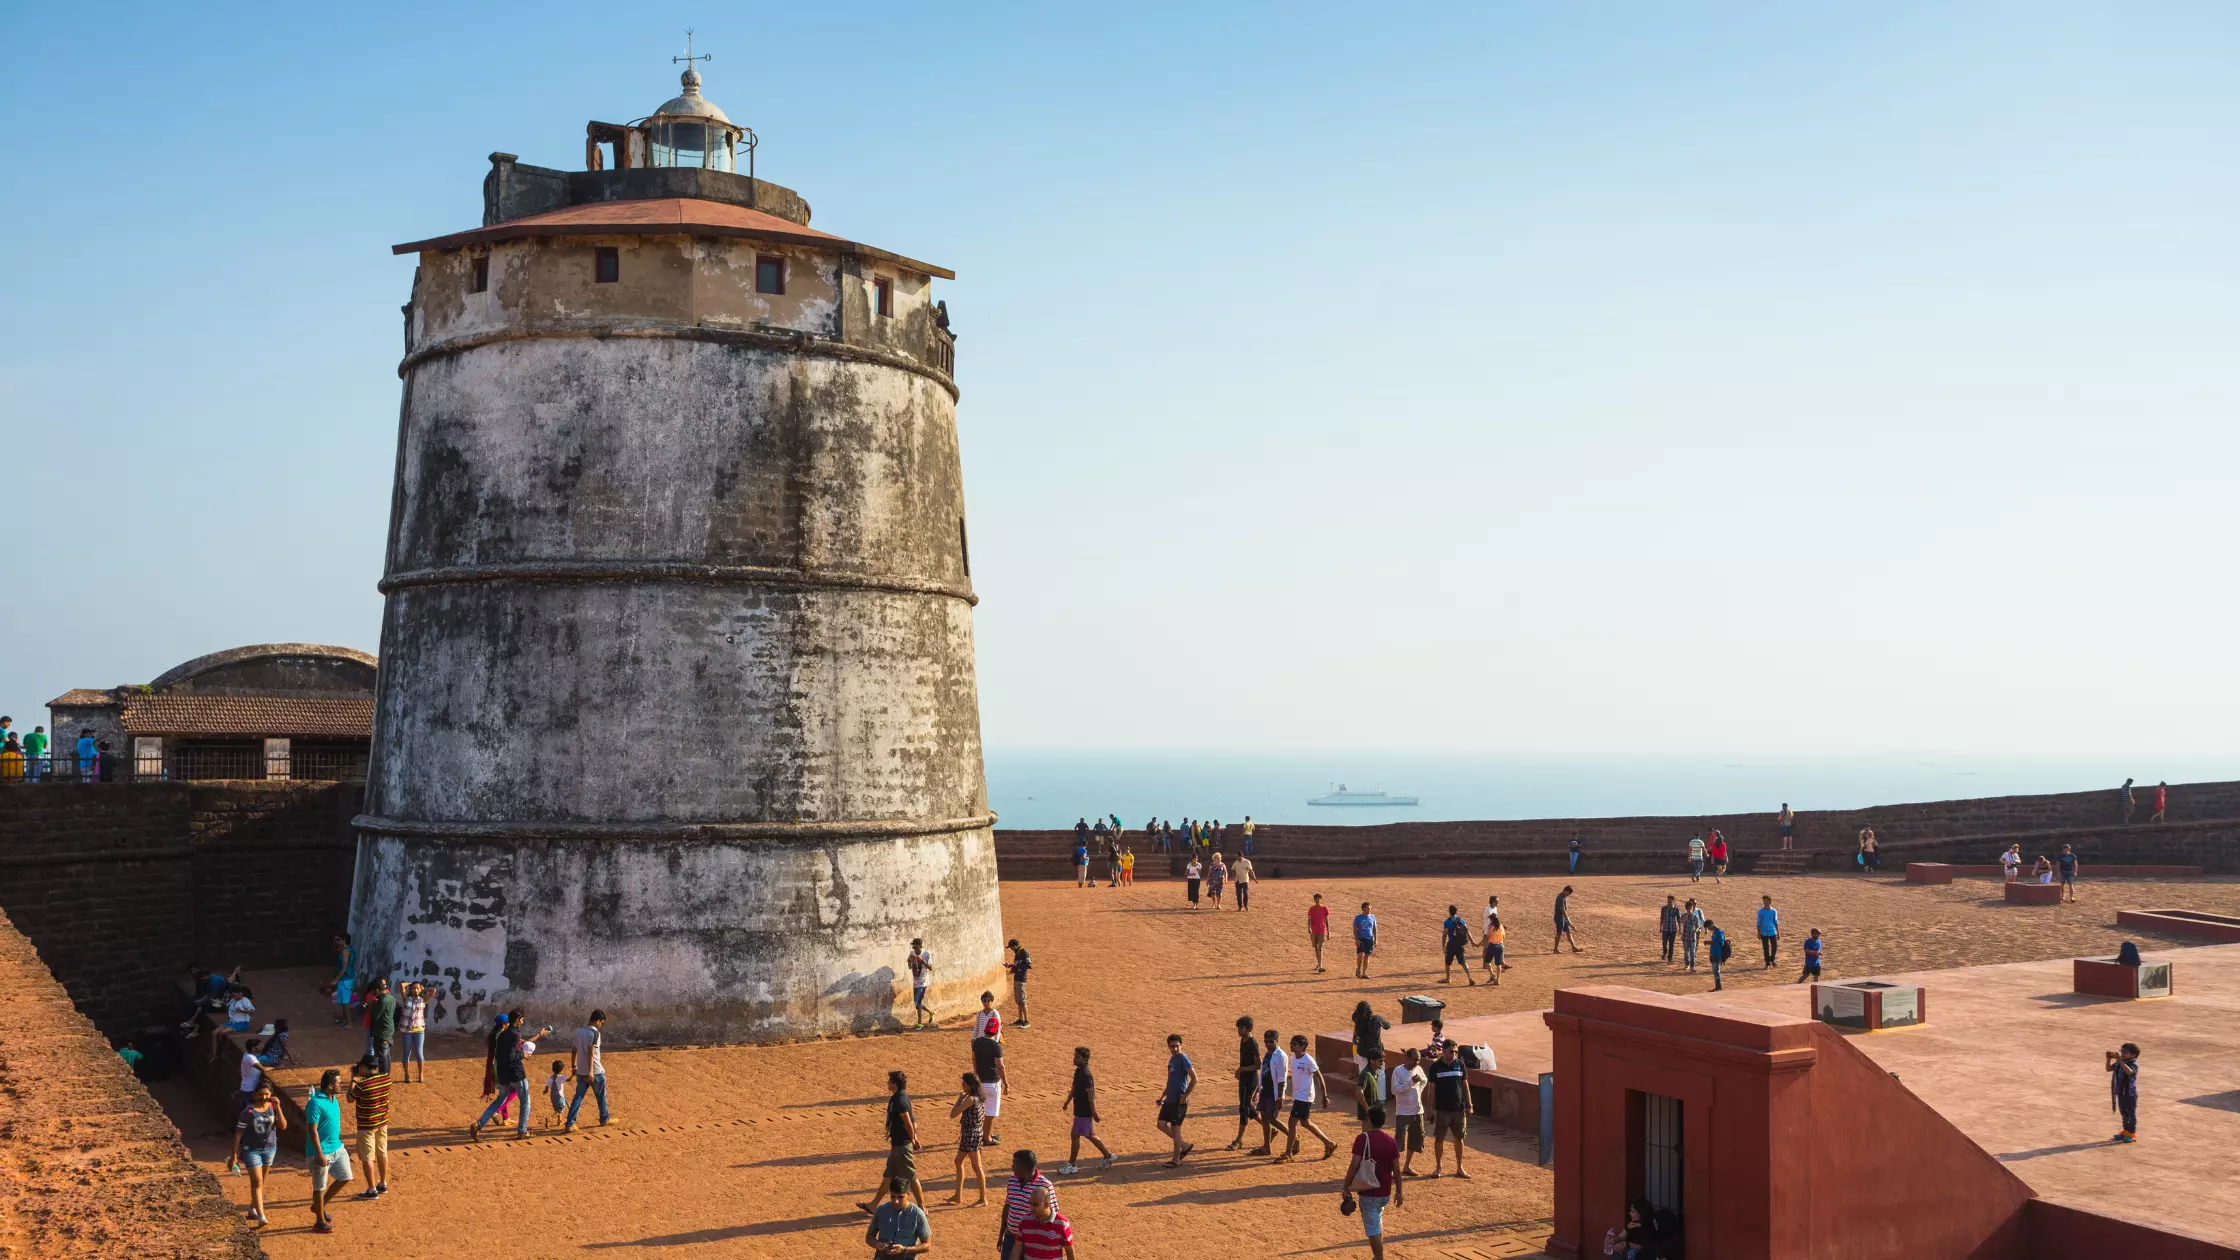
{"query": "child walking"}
pixel 556 1086
pixel 1812 947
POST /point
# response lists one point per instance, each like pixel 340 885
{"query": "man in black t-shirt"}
pixel 1450 1108
pixel 1019 966
pixel 902 1145
pixel 1081 1100
pixel 987 1064
pixel 1248 1083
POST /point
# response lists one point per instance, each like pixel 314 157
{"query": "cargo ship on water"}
pixel 1345 796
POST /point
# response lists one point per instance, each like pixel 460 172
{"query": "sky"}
pixel 1809 381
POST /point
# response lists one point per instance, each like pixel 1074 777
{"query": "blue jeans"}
pixel 416 1048
pixel 510 1089
pixel 1716 983
pixel 1574 861
pixel 1372 1215
pixel 597 1085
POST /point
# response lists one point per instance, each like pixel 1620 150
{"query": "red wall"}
pixel 2064 1233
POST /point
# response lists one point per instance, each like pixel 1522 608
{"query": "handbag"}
pixel 1365 1177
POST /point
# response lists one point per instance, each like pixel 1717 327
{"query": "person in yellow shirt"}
pixel 1127 866
pixel 1494 936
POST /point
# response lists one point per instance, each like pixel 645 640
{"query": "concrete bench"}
pixel 2105 977
pixel 2031 893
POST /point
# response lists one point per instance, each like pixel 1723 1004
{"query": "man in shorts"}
pixel 921 971
pixel 1364 941
pixel 1563 922
pixel 1318 929
pixel 1811 958
pixel 1306 1088
pixel 369 1092
pixel 1081 1100
pixel 1788 820
pixel 1494 938
pixel 902 1145
pixel 1450 1108
pixel 323 1149
pixel 1408 1081
pixel 1080 860
pixel 1275 1071
pixel 1454 936
pixel 987 1064
pixel 1019 965
pixel 1174 1100
pixel 2067 865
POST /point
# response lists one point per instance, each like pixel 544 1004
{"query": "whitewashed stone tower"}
pixel 676 712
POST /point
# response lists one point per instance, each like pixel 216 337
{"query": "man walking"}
pixel 899 1227
pixel 1318 930
pixel 2130 802
pixel 323 1149
pixel 1375 1156
pixel 590 1069
pixel 2067 864
pixel 1275 1070
pixel 1668 925
pixel 1081 1100
pixel 508 1064
pixel 369 1090
pixel 1769 930
pixel 1691 928
pixel 1720 949
pixel 921 974
pixel 902 1145
pixel 987 1064
pixel 1695 859
pixel 1241 873
pixel 1306 1088
pixel 1450 1108
pixel 1787 818
pixel 1364 941
pixel 1248 1081
pixel 1174 1101
pixel 1812 949
pixel 1027 1184
pixel 1455 936
pixel 1563 922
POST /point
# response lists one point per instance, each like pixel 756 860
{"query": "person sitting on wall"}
pixel 2128 956
pixel 2043 871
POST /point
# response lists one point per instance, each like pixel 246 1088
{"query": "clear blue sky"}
pixel 1766 379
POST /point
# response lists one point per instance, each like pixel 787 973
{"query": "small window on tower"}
pixel 882 296
pixel 769 274
pixel 481 281
pixel 607 267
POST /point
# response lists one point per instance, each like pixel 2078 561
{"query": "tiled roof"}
pixel 80 696
pixel 342 718
pixel 661 216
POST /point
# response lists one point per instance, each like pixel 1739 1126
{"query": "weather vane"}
pixel 688 58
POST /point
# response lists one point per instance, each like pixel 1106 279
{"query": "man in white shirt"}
pixel 1306 1088
pixel 1407 1102
pixel 1275 1080
pixel 591 1069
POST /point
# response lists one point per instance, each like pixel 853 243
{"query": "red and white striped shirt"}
pixel 1018 1200
pixel 1044 1240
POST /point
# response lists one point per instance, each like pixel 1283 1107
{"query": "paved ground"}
pixel 2014 1058
pixel 760 1151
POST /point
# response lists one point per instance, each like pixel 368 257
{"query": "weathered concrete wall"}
pixel 677 713
pixel 89 1164
pixel 123 885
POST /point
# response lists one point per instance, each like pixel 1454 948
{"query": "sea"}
pixel 1046 788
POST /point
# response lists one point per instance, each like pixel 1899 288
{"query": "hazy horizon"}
pixel 1512 380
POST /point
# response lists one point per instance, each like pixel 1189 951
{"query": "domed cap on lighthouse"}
pixel 690 104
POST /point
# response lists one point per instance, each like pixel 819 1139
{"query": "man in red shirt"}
pixel 1375 1155
pixel 1318 928
pixel 1043 1235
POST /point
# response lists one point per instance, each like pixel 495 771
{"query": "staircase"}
pixel 1781 862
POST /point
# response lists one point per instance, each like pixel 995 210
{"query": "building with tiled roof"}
pixel 267 711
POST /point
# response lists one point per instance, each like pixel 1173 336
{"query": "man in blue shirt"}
pixel 1174 1102
pixel 89 758
pixel 1364 941
pixel 2067 862
pixel 1719 948
pixel 1769 929
pixel 322 1148
pixel 1455 937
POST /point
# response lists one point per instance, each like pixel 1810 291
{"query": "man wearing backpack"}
pixel 1720 950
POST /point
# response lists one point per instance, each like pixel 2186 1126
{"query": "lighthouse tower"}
pixel 676 713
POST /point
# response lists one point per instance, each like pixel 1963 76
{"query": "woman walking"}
pixel 1191 874
pixel 971 1120
pixel 1215 877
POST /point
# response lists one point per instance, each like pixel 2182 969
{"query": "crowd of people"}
pixel 30 757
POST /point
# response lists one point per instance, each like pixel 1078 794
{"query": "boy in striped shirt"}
pixel 1043 1235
